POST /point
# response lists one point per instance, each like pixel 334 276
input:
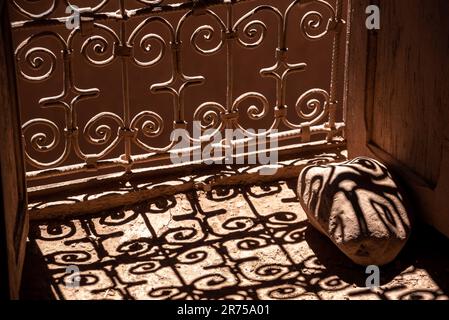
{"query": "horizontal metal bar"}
pixel 290 152
pixel 59 21
pixel 152 157
pixel 122 16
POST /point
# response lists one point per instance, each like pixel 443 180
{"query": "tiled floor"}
pixel 235 243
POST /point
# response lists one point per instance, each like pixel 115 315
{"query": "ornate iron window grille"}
pixel 102 45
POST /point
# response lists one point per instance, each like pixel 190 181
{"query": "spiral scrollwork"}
pixel 208 115
pixel 99 48
pixel 37 58
pixel 152 45
pixel 254 32
pixel 34 62
pixel 152 127
pixel 312 105
pixel 314 24
pixel 206 34
pixel 101 134
pixel 47 138
pixel 43 141
pixel 254 112
pixel 147 45
pixel 311 23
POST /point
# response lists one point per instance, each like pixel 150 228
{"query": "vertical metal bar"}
pixel 71 130
pixel 230 36
pixel 333 102
pixel 125 86
pixel 178 101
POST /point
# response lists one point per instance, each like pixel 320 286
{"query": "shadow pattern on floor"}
pixel 242 242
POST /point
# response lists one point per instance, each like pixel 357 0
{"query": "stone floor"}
pixel 234 243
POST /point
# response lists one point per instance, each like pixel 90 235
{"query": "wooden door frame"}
pixel 359 92
pixel 359 95
pixel 4 278
pixel 14 219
